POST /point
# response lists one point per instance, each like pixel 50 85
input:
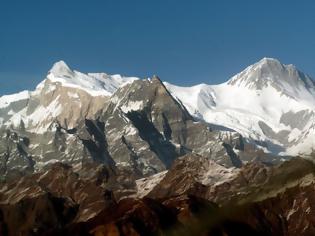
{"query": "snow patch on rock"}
pixel 132 106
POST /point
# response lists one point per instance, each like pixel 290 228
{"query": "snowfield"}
pixel 255 103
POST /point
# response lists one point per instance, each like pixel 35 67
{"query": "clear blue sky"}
pixel 184 42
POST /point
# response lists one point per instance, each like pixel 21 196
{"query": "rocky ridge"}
pixel 140 127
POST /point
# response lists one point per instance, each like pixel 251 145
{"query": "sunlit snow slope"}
pixel 268 102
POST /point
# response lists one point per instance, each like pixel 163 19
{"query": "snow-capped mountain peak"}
pixel 271 72
pixel 65 95
pixel 95 84
pixel 61 69
pixel 268 101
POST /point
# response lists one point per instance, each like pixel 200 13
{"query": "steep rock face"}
pixel 49 119
pixel 148 123
pixel 14 152
pixel 39 127
pixel 74 117
pixel 27 151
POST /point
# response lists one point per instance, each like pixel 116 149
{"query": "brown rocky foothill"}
pixel 256 200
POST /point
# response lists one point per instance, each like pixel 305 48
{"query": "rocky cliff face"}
pixel 140 127
pixel 154 129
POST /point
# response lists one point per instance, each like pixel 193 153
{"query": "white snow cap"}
pixel 96 84
pixel 269 60
pixel 270 71
pixel 256 102
pixel 61 69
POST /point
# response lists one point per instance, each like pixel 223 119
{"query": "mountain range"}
pixel 82 144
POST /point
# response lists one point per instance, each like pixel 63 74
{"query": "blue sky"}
pixel 184 42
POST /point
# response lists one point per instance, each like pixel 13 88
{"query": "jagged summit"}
pixel 268 101
pixel 60 69
pixel 271 72
pixel 93 83
pixel 155 77
pixel 269 60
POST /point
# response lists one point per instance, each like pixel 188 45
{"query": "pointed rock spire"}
pixel 155 77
